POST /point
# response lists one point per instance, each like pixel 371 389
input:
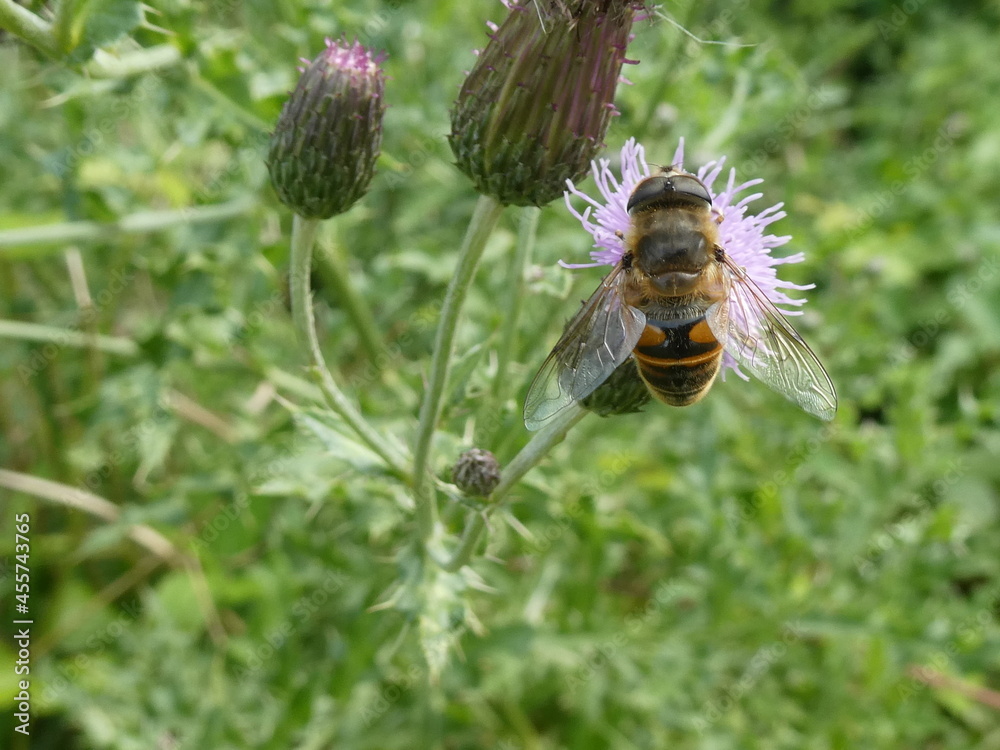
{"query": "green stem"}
pixel 32 29
pixel 516 284
pixel 484 218
pixel 136 62
pixel 474 525
pixel 17 329
pixel 295 385
pixel 59 235
pixel 334 270
pixel 303 236
pixel 534 451
pixel 74 497
pixel 221 99
pixel 143 535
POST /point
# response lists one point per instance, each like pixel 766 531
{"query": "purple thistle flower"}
pixel 741 233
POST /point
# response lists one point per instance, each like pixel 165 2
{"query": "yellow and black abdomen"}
pixel 678 359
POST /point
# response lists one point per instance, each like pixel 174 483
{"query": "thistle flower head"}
pixel 323 150
pixel 624 392
pixel 535 108
pixel 742 233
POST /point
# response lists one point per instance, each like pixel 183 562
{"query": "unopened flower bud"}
pixel 323 149
pixel 535 108
pixel 476 472
pixel 622 393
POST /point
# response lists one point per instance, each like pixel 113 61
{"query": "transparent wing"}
pixel 757 335
pixel 598 339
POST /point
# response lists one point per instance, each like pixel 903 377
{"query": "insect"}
pixel 674 303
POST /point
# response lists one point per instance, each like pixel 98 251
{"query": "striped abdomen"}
pixel 678 359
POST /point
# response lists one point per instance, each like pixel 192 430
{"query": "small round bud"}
pixel 622 393
pixel 323 150
pixel 476 472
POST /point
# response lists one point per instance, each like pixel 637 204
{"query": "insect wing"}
pixel 757 335
pixel 598 339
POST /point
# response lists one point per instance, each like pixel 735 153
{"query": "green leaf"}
pixel 338 444
pixel 84 25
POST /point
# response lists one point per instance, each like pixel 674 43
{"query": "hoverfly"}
pixel 674 303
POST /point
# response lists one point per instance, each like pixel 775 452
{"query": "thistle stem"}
pixel 34 30
pixel 70 232
pixel 516 284
pixel 303 237
pixel 225 102
pixel 80 499
pixel 143 535
pixel 484 218
pixel 18 329
pixel 137 62
pixel 335 271
pixel 527 458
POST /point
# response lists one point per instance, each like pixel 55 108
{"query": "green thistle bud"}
pixel 323 149
pixel 535 108
pixel 622 393
pixel 476 472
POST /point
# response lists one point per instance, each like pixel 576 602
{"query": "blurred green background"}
pixel 734 574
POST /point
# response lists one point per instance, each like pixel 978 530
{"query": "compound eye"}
pixel 666 189
pixel 648 190
pixel 689 185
